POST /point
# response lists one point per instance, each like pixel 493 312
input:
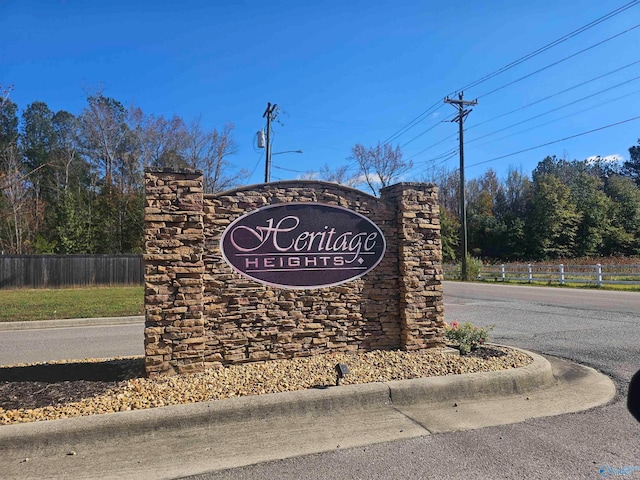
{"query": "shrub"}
pixel 474 266
pixel 467 336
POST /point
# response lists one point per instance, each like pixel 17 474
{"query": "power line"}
pixel 559 61
pixel 420 134
pixel 432 109
pixel 256 165
pixel 445 157
pixel 542 69
pixel 292 170
pixel 510 65
pixel 544 48
pixel 539 101
pixel 555 141
pixel 556 109
pixel 622 97
pixel 431 146
pixel 581 84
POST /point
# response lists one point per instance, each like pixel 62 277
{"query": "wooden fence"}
pixel 36 271
pixel 561 274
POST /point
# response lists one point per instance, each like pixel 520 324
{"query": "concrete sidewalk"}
pixel 181 440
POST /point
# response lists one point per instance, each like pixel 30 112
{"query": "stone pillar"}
pixel 174 268
pixel 420 264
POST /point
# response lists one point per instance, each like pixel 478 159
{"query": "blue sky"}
pixel 343 72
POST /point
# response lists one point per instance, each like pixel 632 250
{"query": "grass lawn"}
pixel 49 304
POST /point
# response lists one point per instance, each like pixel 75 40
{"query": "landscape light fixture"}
pixel 341 370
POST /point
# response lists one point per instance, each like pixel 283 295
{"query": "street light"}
pixel 287 151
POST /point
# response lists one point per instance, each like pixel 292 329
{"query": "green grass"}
pixel 90 302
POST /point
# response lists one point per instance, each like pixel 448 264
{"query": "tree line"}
pixel 73 184
pixel 565 209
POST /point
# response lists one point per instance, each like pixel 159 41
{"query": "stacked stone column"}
pixel 174 268
pixel 420 264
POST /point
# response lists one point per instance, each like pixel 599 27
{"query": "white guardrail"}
pixel 562 274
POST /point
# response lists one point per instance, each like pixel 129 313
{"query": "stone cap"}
pixel 293 183
pixel 181 170
pixel 405 185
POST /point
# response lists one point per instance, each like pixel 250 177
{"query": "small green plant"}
pixel 467 336
pixel 474 266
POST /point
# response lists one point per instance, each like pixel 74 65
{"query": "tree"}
pixel 74 229
pixel 448 183
pixel 85 172
pixel 603 168
pixel 69 167
pixel 4 95
pixel 104 133
pixel 631 167
pixel 587 193
pixel 552 225
pixel 380 165
pixel 161 142
pixel 449 235
pixel 561 168
pixel 73 210
pixel 37 139
pixel 15 221
pixel 209 151
pixel 482 226
pixel 9 123
pixel 510 209
pixel 624 214
pixel 338 175
pixel 116 176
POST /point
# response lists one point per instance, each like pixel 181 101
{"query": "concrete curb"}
pixel 115 426
pixel 536 375
pixel 313 402
pixel 70 322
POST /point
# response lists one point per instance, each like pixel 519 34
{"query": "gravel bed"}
pixel 68 389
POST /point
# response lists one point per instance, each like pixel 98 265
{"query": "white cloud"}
pixel 613 158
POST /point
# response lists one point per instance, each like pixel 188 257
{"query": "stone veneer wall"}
pixel 201 314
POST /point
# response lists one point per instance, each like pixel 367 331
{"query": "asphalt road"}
pixel 71 343
pixel 597 328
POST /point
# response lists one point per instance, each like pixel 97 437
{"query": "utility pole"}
pixel 270 113
pixel 460 105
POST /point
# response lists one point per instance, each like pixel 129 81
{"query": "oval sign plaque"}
pixel 302 245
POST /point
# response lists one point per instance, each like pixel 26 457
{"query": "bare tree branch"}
pixel 4 95
pixel 209 152
pixel 380 165
pixel 339 175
